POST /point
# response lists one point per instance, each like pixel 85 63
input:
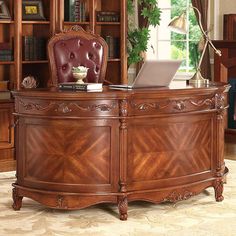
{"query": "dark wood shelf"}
pixel 76 23
pixel 6 21
pixel 114 60
pixel 107 23
pixel 30 22
pixel 230 131
pixel 7 62
pixel 35 62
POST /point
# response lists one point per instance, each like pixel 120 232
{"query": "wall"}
pixel 219 8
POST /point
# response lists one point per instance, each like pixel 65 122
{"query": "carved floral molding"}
pixel 177 105
pixel 64 108
pixel 31 106
pixel 179 195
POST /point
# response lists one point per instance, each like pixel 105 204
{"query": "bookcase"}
pixel 25 36
pixel 7 73
pixel 115 31
pixel 42 29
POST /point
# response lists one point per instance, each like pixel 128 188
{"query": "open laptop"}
pixel 153 74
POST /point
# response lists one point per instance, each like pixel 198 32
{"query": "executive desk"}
pixel 76 149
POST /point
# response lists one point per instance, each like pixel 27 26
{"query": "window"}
pixel 165 44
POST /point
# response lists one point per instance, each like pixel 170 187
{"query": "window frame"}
pixel 189 70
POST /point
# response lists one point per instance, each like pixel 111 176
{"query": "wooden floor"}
pixel 230 146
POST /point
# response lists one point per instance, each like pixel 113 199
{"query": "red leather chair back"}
pixel 77 48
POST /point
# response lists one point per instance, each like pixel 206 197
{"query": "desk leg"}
pixel 17 200
pixel 123 207
pixel 219 187
pixel 122 200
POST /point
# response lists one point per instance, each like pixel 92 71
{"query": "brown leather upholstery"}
pixel 77 48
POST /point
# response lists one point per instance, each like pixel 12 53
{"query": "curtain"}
pixel 202 6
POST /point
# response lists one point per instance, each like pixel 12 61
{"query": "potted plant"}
pixel 138 36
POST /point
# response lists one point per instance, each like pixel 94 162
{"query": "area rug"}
pixel 197 216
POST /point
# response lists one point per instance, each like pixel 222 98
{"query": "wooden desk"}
pixel 76 149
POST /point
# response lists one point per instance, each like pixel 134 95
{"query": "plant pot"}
pixel 79 76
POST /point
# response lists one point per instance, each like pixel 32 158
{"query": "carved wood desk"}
pixel 76 149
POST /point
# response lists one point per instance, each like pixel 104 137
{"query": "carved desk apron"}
pixel 76 149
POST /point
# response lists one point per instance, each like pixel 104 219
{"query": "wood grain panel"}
pixel 5 135
pixel 80 155
pixel 175 146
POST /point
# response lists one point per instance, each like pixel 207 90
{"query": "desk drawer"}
pixel 67 108
pixel 171 106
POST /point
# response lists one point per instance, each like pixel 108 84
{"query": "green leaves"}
pixel 130 6
pixel 151 12
pixel 138 38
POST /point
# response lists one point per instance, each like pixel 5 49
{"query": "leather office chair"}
pixel 77 47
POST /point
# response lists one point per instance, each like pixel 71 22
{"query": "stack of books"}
pixel 113 46
pixel 6 53
pixel 82 87
pixel 108 16
pixel 75 10
pixel 80 11
pixel 34 48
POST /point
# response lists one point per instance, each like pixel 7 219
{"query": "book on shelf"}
pixel 75 10
pixel 34 48
pixel 6 55
pixel 83 87
pixel 108 16
pixel 6 58
pixel 6 52
pixel 5 46
pixel 113 46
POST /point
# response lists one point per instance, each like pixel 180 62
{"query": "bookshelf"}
pixel 114 31
pixel 15 31
pixel 7 72
pixel 30 34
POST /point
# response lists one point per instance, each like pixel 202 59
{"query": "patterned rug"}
pixel 197 216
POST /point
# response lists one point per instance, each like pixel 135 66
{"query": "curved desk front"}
pixel 76 149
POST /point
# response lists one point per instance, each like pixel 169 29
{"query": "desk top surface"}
pixel 176 88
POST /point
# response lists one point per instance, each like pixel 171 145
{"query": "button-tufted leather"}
pixel 80 48
pixel 73 52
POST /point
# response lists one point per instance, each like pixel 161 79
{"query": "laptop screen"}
pixel 154 73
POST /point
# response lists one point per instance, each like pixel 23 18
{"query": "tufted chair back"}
pixel 73 48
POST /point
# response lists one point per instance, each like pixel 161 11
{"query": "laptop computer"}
pixel 153 74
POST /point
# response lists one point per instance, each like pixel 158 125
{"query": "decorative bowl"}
pixel 79 76
pixel 79 73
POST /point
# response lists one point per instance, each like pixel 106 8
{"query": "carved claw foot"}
pixel 17 200
pixel 219 187
pixel 123 207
